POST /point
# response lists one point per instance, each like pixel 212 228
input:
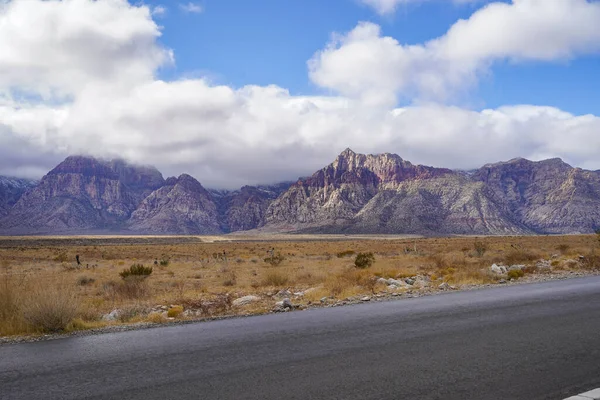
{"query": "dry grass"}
pixel 207 277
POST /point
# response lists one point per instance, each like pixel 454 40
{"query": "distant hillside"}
pixel 356 193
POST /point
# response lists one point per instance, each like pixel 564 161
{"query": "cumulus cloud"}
pixel 364 63
pixel 56 48
pixel 389 6
pixel 228 136
pixel 191 8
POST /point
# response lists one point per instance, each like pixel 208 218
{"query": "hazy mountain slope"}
pixel 181 206
pixel 11 190
pixel 82 194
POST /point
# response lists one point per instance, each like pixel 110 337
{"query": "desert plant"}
pixel 49 308
pixel 563 248
pixel 480 248
pixel 275 278
pixel 364 260
pixel 515 274
pixel 164 262
pixel 85 280
pixel 345 253
pixel 136 270
pixel 275 259
pixel 175 311
pixel 520 256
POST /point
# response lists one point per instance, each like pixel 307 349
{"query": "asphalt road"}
pixel 539 341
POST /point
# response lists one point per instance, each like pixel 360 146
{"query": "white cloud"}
pixel 60 47
pixel 159 11
pixel 389 6
pixel 227 137
pixel 191 8
pixel 363 63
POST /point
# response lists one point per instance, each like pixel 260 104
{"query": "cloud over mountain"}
pixel 80 76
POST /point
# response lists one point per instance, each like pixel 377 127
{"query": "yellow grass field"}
pixel 42 288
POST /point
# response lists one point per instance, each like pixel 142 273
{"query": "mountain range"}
pixel 357 193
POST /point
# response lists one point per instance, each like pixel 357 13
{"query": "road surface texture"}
pixel 538 341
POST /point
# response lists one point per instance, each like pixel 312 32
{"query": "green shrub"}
pixel 364 260
pixel 164 262
pixel 175 311
pixel 515 274
pixel 137 270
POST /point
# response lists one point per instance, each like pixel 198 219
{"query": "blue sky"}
pixel 239 42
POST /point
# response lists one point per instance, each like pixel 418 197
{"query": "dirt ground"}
pixel 199 277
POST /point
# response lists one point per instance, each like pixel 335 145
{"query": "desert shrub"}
pixel 364 260
pixel 79 324
pixel 563 248
pixel 164 262
pixel 345 253
pixel 61 257
pixel 231 279
pixel 480 248
pixel 136 270
pixel 132 287
pixel 591 261
pixel 85 280
pixel 439 261
pixel 156 318
pixel 520 256
pixel 132 314
pixel 49 308
pixel 275 260
pixel 274 278
pixel 175 311
pixel 515 274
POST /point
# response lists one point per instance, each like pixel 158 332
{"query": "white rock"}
pixel 242 301
pixel 498 269
pixel 444 286
pixel 113 315
pixel 395 282
pixel 366 298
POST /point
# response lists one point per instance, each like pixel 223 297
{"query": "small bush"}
pixel 563 248
pixel 49 308
pixel 274 278
pixel 137 270
pixel 520 256
pixel 275 260
pixel 364 260
pixel 480 248
pixel 515 274
pixel 156 318
pixel 61 257
pixel 591 261
pixel 164 262
pixel 85 280
pixel 346 253
pixel 175 311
